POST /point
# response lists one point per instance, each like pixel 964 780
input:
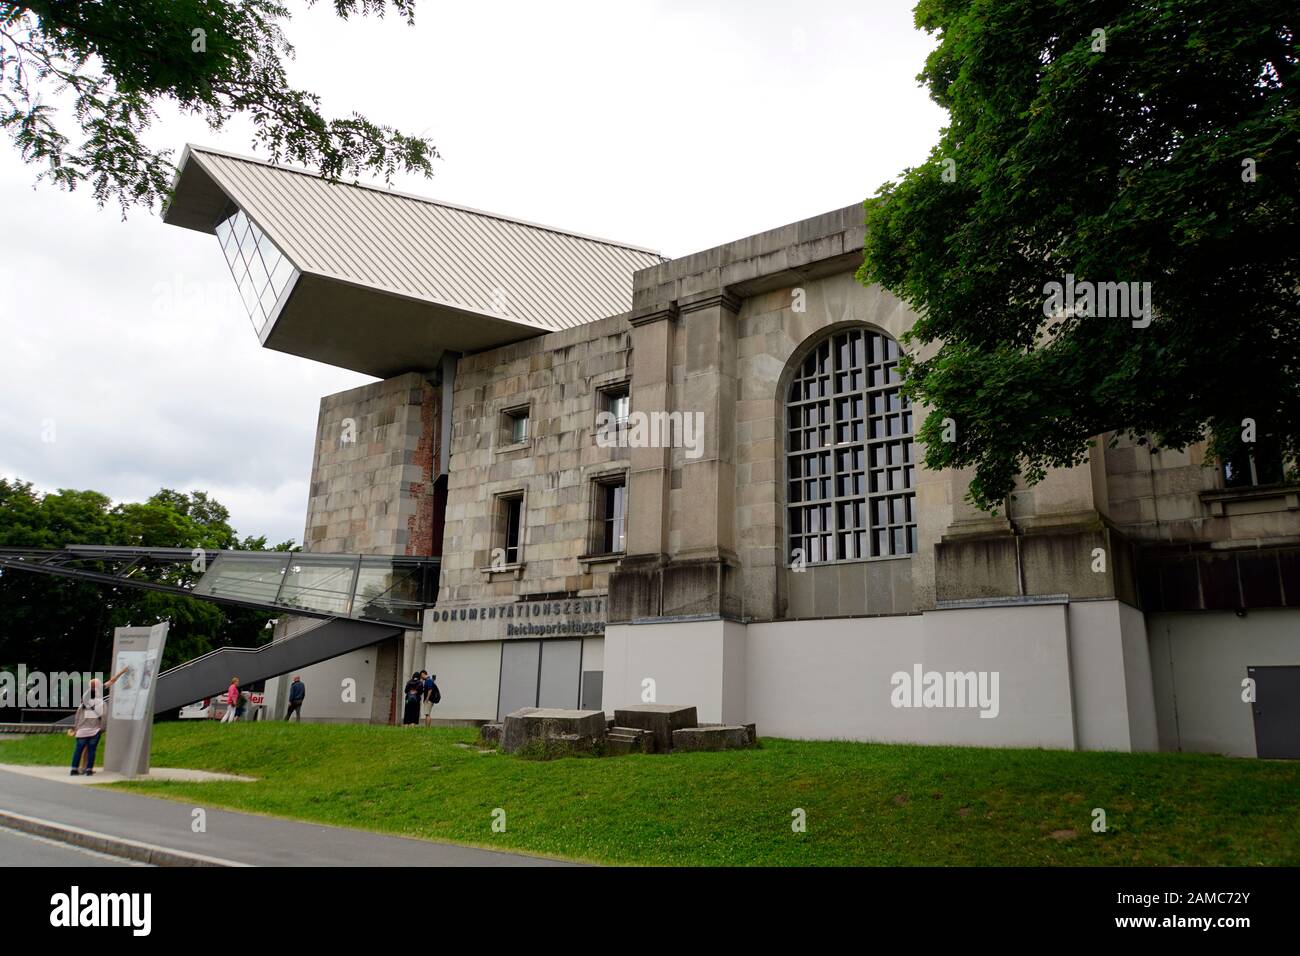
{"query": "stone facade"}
pixel 717 334
pixel 706 603
pixel 374 490
pixel 558 380
pixel 373 475
pixel 1177 497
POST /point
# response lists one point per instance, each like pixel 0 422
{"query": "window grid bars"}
pixel 850 468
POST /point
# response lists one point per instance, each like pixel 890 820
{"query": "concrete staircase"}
pixel 628 740
pixel 209 675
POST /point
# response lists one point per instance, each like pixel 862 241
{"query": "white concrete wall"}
pixel 469 676
pixel 1097 668
pixel 832 679
pixel 1139 683
pixel 1114 702
pixel 687 662
pixel 593 653
pixel 324 703
pixel 1198 661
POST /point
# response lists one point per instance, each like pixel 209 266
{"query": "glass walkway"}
pixel 361 599
pixel 388 588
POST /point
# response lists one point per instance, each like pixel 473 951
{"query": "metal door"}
pixel 561 674
pixel 519 666
pixel 1277 711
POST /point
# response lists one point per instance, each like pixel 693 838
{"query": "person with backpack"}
pixel 414 691
pixel 431 696
pixel 88 725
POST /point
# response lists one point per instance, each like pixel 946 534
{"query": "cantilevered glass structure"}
pixel 261 271
pixel 312 256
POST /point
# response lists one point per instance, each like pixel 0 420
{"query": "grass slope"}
pixel 866 804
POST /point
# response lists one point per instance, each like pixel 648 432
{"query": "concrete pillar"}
pixel 710 394
pixel 649 477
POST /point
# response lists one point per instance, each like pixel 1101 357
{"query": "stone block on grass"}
pixel 660 719
pixel 717 737
pixel 532 723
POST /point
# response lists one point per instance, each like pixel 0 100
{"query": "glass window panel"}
pixel 231 251
pixel 271 259
pixel 247 294
pixel 251 577
pixel 257 272
pixel 248 243
pixel 267 248
pixel 320 582
pixel 280 275
pixel 268 298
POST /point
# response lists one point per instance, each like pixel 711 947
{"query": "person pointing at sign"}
pixel 88 725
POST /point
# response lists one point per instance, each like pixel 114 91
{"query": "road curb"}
pixel 149 853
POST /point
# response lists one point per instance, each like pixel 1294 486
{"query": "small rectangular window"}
pixel 619 406
pixel 1260 463
pixel 515 430
pixel 611 517
pixel 510 527
pixel 616 402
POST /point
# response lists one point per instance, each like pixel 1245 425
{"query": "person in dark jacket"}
pixel 297 694
pixel 431 696
pixel 414 693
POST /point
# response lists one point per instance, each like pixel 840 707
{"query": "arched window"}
pixel 851 475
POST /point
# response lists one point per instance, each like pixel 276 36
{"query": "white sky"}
pixel 675 125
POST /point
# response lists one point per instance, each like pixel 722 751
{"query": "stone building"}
pixel 695 480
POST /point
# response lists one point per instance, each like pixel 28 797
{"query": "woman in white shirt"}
pixel 88 725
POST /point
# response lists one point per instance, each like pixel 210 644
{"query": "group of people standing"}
pixel 421 694
pixel 237 700
pixel 88 727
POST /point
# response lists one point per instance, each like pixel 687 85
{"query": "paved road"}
pixel 241 837
pixel 23 849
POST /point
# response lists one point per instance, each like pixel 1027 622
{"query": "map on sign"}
pixel 131 692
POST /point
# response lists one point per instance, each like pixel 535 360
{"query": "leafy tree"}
pixel 113 62
pixel 1113 141
pixel 62 624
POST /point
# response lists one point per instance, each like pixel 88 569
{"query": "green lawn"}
pixel 866 804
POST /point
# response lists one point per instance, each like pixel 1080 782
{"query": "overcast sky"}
pixel 128 364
